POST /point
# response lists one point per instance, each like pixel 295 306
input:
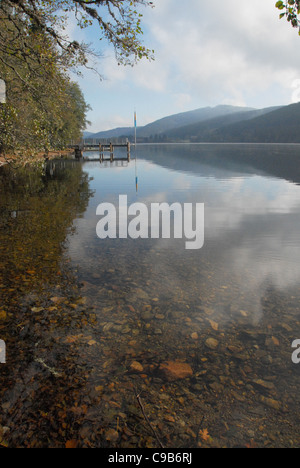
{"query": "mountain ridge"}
pixel 279 126
pixel 169 122
pixel 222 124
pixel 185 118
pixel 203 131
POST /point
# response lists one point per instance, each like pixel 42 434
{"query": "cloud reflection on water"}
pixel 252 223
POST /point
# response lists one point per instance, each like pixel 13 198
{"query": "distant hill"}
pixel 87 134
pixel 114 133
pixel 172 122
pixel 279 126
pixel 207 130
pixel 226 124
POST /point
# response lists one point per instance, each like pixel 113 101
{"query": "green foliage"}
pixel 290 9
pixel 44 109
pixel 118 22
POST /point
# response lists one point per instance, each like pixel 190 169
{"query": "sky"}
pixel 236 52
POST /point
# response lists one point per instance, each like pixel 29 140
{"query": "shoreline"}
pixel 41 156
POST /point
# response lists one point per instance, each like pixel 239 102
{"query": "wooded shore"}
pixel 16 159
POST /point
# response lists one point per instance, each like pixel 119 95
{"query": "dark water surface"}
pixel 203 337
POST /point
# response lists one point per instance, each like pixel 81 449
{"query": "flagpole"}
pixel 136 176
pixel 134 127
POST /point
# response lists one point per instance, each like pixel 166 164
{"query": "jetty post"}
pixel 128 151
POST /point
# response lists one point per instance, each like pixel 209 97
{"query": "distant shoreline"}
pixel 216 143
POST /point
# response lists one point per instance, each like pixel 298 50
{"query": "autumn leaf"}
pixel 92 342
pixel 251 445
pixel 169 418
pixel 112 435
pixel 37 309
pixel 3 442
pixel 2 315
pixel 71 444
pixel 72 338
pixel 204 435
pixel 57 300
pixel 275 341
pixel 214 325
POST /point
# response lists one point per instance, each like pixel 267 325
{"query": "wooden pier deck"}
pixel 106 151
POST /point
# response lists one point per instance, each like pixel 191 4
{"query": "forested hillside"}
pixel 44 109
pixel 279 126
pixel 230 125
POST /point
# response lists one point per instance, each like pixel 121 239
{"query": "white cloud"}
pixel 224 50
pixel 207 53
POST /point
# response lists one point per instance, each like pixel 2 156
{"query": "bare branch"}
pixel 138 397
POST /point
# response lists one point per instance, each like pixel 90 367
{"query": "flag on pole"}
pixel 135 119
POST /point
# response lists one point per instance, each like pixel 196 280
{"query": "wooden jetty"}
pixel 106 151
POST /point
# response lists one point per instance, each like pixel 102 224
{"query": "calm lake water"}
pixel 100 333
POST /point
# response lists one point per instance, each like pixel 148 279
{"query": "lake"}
pixel 123 342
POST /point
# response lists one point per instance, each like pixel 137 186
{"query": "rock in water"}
pixel 211 343
pixel 174 370
pixel 136 367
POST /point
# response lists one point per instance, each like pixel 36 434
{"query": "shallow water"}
pixel 204 337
